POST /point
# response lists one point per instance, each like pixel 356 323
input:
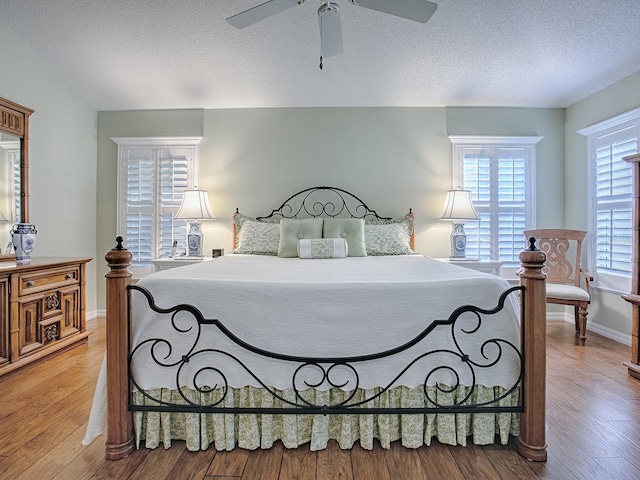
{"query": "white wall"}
pixel 62 155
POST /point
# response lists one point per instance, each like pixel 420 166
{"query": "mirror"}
pixel 14 169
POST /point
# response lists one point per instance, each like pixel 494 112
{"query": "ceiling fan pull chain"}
pixel 320 41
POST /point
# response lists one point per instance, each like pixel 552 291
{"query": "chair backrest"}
pixel 560 245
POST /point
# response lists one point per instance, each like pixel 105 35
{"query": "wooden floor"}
pixel 593 430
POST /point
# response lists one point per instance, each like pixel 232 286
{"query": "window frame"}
pixel 612 282
pixel 460 143
pixel 155 144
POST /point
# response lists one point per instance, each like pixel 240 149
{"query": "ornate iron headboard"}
pixel 323 202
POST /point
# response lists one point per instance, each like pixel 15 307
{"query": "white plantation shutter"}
pixel 499 172
pixel 153 176
pixel 10 155
pixel 16 185
pixel 612 202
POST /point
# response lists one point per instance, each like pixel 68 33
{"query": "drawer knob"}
pixel 68 276
pixel 30 283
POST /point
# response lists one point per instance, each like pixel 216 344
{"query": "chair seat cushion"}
pixel 567 292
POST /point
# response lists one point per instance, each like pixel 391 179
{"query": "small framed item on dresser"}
pixel 217 252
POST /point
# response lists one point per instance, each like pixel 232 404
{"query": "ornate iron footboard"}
pixel 160 349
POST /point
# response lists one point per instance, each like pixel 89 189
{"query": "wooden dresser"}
pixel 42 309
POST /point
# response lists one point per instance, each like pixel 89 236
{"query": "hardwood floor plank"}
pixel 83 467
pixel 229 463
pixel 368 464
pixel 163 461
pixel 45 464
pixel 552 469
pixel 474 462
pixel 334 463
pixel 264 464
pixel 403 463
pixel 572 456
pixel 298 464
pixel 191 465
pixel 31 427
pixel 619 468
pixel 438 460
pixel 120 469
pixel 509 465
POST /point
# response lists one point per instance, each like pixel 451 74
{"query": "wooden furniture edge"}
pixel 532 441
pixel 119 442
pixel 633 365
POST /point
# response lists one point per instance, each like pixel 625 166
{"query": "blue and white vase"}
pixel 23 236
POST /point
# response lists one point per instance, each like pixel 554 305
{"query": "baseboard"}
pixel 93 314
pixel 593 327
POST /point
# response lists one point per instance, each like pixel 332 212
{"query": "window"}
pixel 153 173
pixel 10 156
pixel 610 199
pixel 500 173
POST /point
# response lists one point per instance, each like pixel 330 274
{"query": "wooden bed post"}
pixel 532 442
pixel 119 421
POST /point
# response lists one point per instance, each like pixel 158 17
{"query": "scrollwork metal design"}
pixel 327 372
pixel 324 201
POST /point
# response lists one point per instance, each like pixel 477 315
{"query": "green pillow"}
pixel 351 229
pixel 292 230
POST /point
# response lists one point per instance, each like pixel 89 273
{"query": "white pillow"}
pixel 323 248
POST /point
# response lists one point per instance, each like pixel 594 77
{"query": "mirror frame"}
pixel 14 120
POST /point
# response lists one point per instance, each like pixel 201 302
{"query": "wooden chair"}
pixel 567 281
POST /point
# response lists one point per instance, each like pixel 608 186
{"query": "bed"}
pixel 323 325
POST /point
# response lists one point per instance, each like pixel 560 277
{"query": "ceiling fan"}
pixel 329 17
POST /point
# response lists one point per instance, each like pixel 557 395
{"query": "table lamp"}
pixel 457 208
pixel 195 207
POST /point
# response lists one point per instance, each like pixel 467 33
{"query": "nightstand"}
pixel 487 266
pixel 167 263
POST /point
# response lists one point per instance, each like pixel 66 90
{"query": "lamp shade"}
pixel 195 206
pixel 458 206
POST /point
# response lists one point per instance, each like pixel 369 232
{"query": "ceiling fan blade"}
pixel 330 29
pixel 260 12
pixel 416 10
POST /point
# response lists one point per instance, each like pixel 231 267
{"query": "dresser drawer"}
pixel 36 282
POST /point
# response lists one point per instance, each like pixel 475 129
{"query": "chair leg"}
pixel 576 315
pixel 582 320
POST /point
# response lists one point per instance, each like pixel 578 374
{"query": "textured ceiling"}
pixel 152 54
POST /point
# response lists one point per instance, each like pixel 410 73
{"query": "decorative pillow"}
pixel 323 248
pixel 292 230
pixel 389 238
pixel 258 238
pixel 351 229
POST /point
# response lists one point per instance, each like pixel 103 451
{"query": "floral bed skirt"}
pixel 250 431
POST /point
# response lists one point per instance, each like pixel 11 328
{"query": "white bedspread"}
pixel 325 308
